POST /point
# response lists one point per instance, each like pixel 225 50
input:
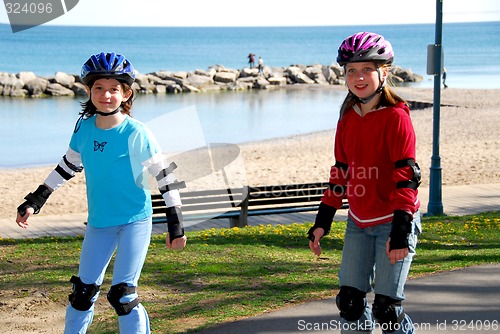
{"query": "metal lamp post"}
pixel 435 206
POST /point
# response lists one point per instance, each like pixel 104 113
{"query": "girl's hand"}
pixel 22 221
pixel 315 246
pixel 177 243
pixel 396 254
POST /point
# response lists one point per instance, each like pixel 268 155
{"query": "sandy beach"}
pixel 469 150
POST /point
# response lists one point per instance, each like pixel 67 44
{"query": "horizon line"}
pixel 256 26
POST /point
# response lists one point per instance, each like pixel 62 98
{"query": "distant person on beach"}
pixel 115 150
pixel 261 65
pixel 444 78
pixel 375 169
pixel 251 60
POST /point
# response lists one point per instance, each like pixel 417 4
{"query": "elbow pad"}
pixel 169 186
pixel 415 181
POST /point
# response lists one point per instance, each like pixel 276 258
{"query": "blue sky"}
pixel 270 12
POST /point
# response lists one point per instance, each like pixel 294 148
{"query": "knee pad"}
pixel 116 293
pixel 384 311
pixel 82 294
pixel 351 302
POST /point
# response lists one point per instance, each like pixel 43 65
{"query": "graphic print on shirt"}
pixel 99 146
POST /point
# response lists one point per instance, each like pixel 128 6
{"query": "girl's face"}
pixel 107 94
pixel 363 78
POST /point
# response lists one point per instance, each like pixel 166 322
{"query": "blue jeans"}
pixel 365 264
pixel 131 242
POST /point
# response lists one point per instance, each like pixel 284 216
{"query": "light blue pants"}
pixel 365 264
pixel 131 242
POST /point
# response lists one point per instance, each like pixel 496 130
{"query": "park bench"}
pixel 237 204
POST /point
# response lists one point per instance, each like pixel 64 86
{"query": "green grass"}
pixel 228 274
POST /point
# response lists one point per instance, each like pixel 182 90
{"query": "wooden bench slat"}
pixel 282 210
pixel 287 187
pixel 215 192
pixel 290 193
pixel 239 203
pixel 161 219
pixel 285 200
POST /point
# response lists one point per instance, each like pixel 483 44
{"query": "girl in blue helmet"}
pixel 114 149
pixel 375 169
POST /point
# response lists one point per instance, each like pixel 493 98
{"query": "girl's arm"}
pixel 333 196
pixel 70 164
pixel 406 175
pixel 169 187
pixel 67 168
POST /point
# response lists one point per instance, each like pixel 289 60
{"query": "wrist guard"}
pixel 35 200
pixel 174 223
pixel 324 219
pixel 401 228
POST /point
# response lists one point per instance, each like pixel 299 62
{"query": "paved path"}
pixel 461 301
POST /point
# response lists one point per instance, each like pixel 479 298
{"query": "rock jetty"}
pixel 215 78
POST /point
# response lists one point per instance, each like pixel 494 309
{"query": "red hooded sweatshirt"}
pixel 366 150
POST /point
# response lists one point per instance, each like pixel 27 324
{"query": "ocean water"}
pixel 472 50
pixel 37 131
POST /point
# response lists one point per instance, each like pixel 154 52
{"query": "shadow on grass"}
pixel 41 241
pixel 231 285
pixel 233 270
pixel 41 263
pixel 269 239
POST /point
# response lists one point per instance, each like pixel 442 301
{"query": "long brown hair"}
pixel 388 96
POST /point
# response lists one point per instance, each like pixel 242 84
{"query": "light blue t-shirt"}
pixel 112 163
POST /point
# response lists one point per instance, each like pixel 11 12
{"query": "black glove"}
pixel 35 200
pixel 324 219
pixel 401 228
pixel 174 223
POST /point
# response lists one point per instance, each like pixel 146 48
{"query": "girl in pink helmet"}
pixel 375 169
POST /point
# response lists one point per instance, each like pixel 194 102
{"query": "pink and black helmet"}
pixel 365 46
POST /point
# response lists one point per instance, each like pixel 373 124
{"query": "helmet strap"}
pixel 109 113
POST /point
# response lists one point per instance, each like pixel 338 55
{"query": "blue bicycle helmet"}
pixel 107 65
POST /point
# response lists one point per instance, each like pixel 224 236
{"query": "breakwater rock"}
pixel 215 78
